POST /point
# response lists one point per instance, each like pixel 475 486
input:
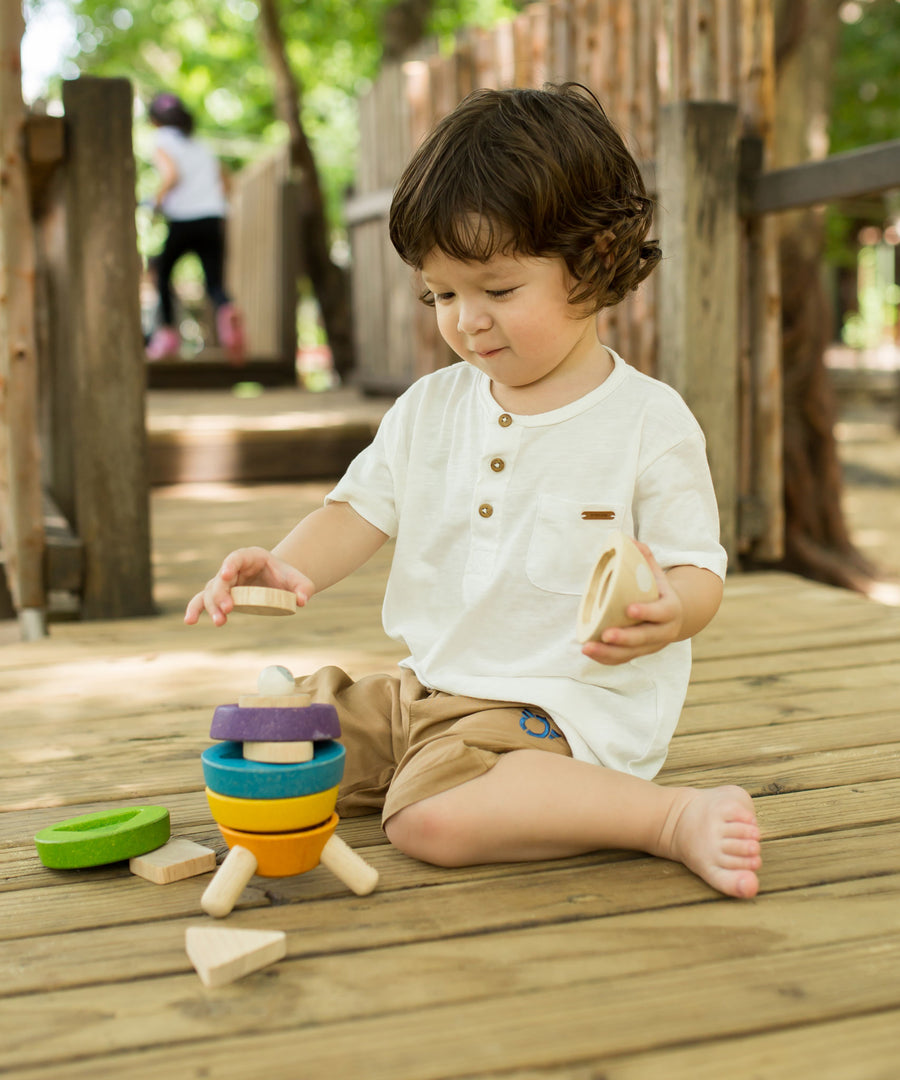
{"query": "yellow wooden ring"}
pixel 283 854
pixel 272 815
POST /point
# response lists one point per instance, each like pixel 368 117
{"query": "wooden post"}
pixel 21 514
pixel 697 169
pixel 762 482
pixel 106 355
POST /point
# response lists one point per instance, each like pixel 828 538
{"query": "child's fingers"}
pixel 642 635
pixel 662 582
pixel 619 644
pixel 609 655
pixel 246 566
pixel 193 609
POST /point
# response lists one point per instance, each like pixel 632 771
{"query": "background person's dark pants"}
pixel 205 237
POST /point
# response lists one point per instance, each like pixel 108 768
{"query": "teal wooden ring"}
pixel 227 772
pixel 106 836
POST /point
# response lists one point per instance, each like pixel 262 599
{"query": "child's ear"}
pixel 603 242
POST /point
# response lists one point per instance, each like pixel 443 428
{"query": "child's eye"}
pixel 444 297
pixel 498 294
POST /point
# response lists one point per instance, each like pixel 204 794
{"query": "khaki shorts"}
pixel 405 742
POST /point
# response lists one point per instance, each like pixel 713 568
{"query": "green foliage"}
pixel 865 110
pixel 866 99
pixel 209 53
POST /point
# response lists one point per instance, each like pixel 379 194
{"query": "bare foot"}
pixel 714 833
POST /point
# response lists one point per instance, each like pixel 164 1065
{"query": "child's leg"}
pixel 175 246
pixel 534 805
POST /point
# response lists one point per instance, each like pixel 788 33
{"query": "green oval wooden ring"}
pixel 104 837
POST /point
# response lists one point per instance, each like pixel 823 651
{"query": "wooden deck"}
pixel 607 967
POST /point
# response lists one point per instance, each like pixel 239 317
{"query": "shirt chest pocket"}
pixel 566 542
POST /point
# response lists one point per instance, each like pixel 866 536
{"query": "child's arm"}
pixel 689 596
pixel 328 544
pixel 168 175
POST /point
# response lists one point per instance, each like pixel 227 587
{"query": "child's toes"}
pixel 743 848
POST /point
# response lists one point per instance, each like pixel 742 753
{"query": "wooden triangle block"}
pixel 221 955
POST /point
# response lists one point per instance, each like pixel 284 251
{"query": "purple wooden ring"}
pixel 301 723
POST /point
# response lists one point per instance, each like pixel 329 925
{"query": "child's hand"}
pixel 246 566
pixel 661 623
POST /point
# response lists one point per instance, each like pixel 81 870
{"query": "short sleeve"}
pixel 675 508
pixel 373 482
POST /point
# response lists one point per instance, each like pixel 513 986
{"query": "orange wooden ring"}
pixel 283 854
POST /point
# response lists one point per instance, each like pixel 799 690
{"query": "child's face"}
pixel 511 318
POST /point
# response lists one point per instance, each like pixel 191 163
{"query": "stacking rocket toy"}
pixel 272 785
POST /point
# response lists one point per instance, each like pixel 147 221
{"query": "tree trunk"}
pixel 22 537
pixel 817 542
pixel 330 281
pixel 404 25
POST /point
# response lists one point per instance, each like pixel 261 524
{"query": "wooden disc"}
pixel 258 600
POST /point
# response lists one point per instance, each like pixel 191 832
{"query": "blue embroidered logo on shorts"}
pixel 541 728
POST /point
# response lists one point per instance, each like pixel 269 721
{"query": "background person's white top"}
pixel 199 192
pixel 487 606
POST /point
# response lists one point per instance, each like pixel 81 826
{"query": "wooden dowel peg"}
pixel 232 876
pixel 351 868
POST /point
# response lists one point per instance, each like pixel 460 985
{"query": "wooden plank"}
pixel 781 741
pixel 368 206
pixel 317 989
pixel 871 689
pixel 858 1048
pixel 111 507
pixel 867 171
pixel 801 772
pixel 98 952
pixel 706 1001
pixel 698 281
pixel 45 147
pixel 793 665
pixel 535 893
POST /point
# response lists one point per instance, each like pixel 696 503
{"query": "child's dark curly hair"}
pixel 534 172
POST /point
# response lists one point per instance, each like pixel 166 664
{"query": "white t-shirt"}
pixel 199 192
pixel 486 600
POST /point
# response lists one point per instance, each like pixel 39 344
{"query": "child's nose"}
pixel 473 318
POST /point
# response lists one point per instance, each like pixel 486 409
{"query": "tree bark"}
pixel 21 516
pixel 330 282
pixel 817 541
pixel 404 25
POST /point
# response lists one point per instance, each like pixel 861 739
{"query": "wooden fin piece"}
pixel 221 955
pixel 223 891
pixel 177 859
pixel 351 868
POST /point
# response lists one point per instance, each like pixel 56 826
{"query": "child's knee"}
pixel 428 831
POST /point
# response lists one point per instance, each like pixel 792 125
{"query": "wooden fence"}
pixel 74 505
pixel 717 304
pixel 263 257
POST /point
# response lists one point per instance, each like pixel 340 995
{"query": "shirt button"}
pixel 485 510
pixel 505 420
pixel 498 464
